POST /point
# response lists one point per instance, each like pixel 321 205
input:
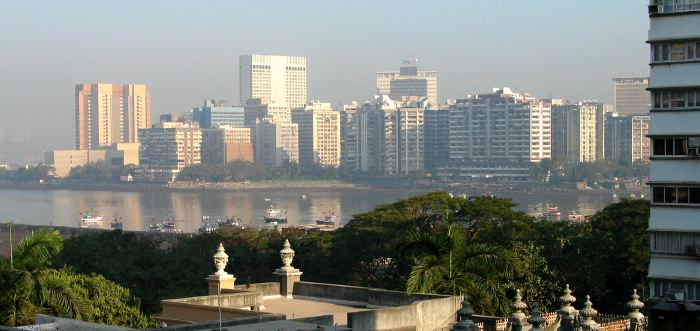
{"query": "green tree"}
pixel 26 287
pixel 450 263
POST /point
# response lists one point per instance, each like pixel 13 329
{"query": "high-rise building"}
pixel 575 131
pixel 626 138
pixel 540 131
pixel 437 137
pixel 319 134
pixel 408 82
pixel 362 133
pixel 218 112
pixel 403 139
pixel 110 113
pixel 276 143
pixel 224 143
pixel 490 136
pixel 674 229
pixel 277 79
pixel 168 147
pixel 631 96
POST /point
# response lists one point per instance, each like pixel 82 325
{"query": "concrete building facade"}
pixel 626 138
pixel 218 112
pixel 319 134
pixel 276 143
pixel 224 144
pixel 576 131
pixel 408 82
pixel 362 134
pixel 168 147
pixel 110 113
pixel 675 138
pixel 279 79
pixel 117 155
pixel 631 96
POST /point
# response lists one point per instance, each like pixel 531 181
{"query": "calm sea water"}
pixel 137 209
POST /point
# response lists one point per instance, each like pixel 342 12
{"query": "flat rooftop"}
pixel 300 308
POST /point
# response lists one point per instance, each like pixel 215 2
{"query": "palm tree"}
pixel 26 289
pixel 446 262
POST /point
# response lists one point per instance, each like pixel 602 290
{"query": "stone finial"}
pixel 220 260
pixel 588 313
pixel 636 318
pixel 464 315
pixel 287 254
pixel 517 317
pixel 536 319
pixel 567 299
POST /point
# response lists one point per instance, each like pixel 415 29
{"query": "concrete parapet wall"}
pixel 358 296
pixel 206 308
pixel 269 290
pixel 433 314
pixel 214 324
pixel 351 295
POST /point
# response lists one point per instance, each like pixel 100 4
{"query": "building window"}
pixel 676 99
pixel 675 51
pixel 675 194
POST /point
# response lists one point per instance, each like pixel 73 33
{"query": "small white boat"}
pixel 90 219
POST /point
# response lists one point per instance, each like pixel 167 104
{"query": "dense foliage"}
pixel 26 174
pixel 433 243
pixel 29 286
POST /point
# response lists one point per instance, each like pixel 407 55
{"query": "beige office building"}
pixel 631 96
pixel 319 134
pixel 117 155
pixel 168 147
pixel 110 113
pixel 276 143
pixel 223 144
pixel 278 79
pixel 540 131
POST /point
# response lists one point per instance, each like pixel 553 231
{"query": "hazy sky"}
pixel 186 51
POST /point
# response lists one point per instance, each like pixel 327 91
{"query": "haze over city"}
pixel 189 52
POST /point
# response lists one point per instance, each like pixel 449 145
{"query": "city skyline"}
pixel 184 62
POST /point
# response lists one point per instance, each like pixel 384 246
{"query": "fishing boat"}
pixel 329 219
pixel 117 222
pixel 90 219
pixel 155 226
pixel 275 216
pixel 575 216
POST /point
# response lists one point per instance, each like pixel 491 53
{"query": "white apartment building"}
pixel 540 131
pixel 274 78
pixel 168 147
pixel 319 134
pixel 362 134
pixel 674 177
pixel 631 96
pixel 408 82
pixel 575 131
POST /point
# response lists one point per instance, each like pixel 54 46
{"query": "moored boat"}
pixel 275 216
pixel 329 219
pixel 575 216
pixel 90 219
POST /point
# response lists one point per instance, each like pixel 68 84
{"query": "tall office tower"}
pixel 168 147
pixel 631 96
pixel 575 131
pixel 540 131
pixel 404 136
pixel 675 137
pixel 319 134
pixel 408 82
pixel 437 137
pixel 626 138
pixel 224 143
pixel 278 79
pixel 110 113
pixel 218 112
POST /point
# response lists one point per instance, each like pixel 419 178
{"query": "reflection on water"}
pixel 137 209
